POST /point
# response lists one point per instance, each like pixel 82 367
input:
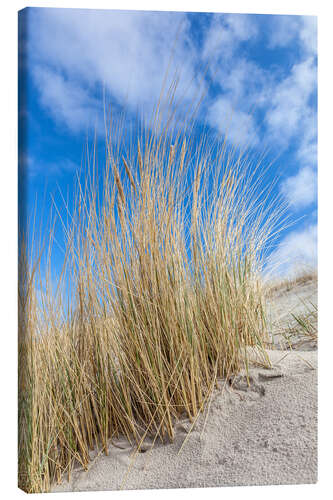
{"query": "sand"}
pixel 287 301
pixel 265 434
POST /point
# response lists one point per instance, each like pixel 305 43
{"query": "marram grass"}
pixel 166 297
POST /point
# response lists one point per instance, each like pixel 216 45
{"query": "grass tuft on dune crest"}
pixel 164 253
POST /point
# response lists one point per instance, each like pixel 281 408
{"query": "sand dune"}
pixel 285 302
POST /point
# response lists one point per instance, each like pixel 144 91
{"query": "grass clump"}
pixel 164 252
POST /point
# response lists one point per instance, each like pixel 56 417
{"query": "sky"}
pixel 258 72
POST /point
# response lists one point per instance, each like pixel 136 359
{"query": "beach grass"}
pixel 164 253
pixel 302 327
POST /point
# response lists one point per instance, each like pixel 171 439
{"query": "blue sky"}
pixel 261 87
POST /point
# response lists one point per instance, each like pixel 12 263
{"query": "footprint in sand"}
pixel 246 384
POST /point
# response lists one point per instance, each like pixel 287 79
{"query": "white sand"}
pixel 287 301
pixel 265 434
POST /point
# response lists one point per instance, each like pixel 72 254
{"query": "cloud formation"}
pixel 290 102
pixel 225 33
pixel 300 190
pixel 239 126
pixel 275 102
pixel 297 29
pixel 296 251
pixel 77 51
pixel 65 99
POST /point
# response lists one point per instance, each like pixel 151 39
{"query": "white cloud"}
pixel 239 126
pixel 65 100
pixel 128 52
pixel 225 33
pixel 301 190
pixel 284 29
pixel 249 88
pixel 291 113
pixel 290 102
pixel 242 25
pixel 297 250
pixel 296 29
pixel 246 82
pixel 308 34
pixel 246 88
pixel 74 51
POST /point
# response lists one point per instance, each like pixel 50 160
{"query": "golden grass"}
pixel 165 265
